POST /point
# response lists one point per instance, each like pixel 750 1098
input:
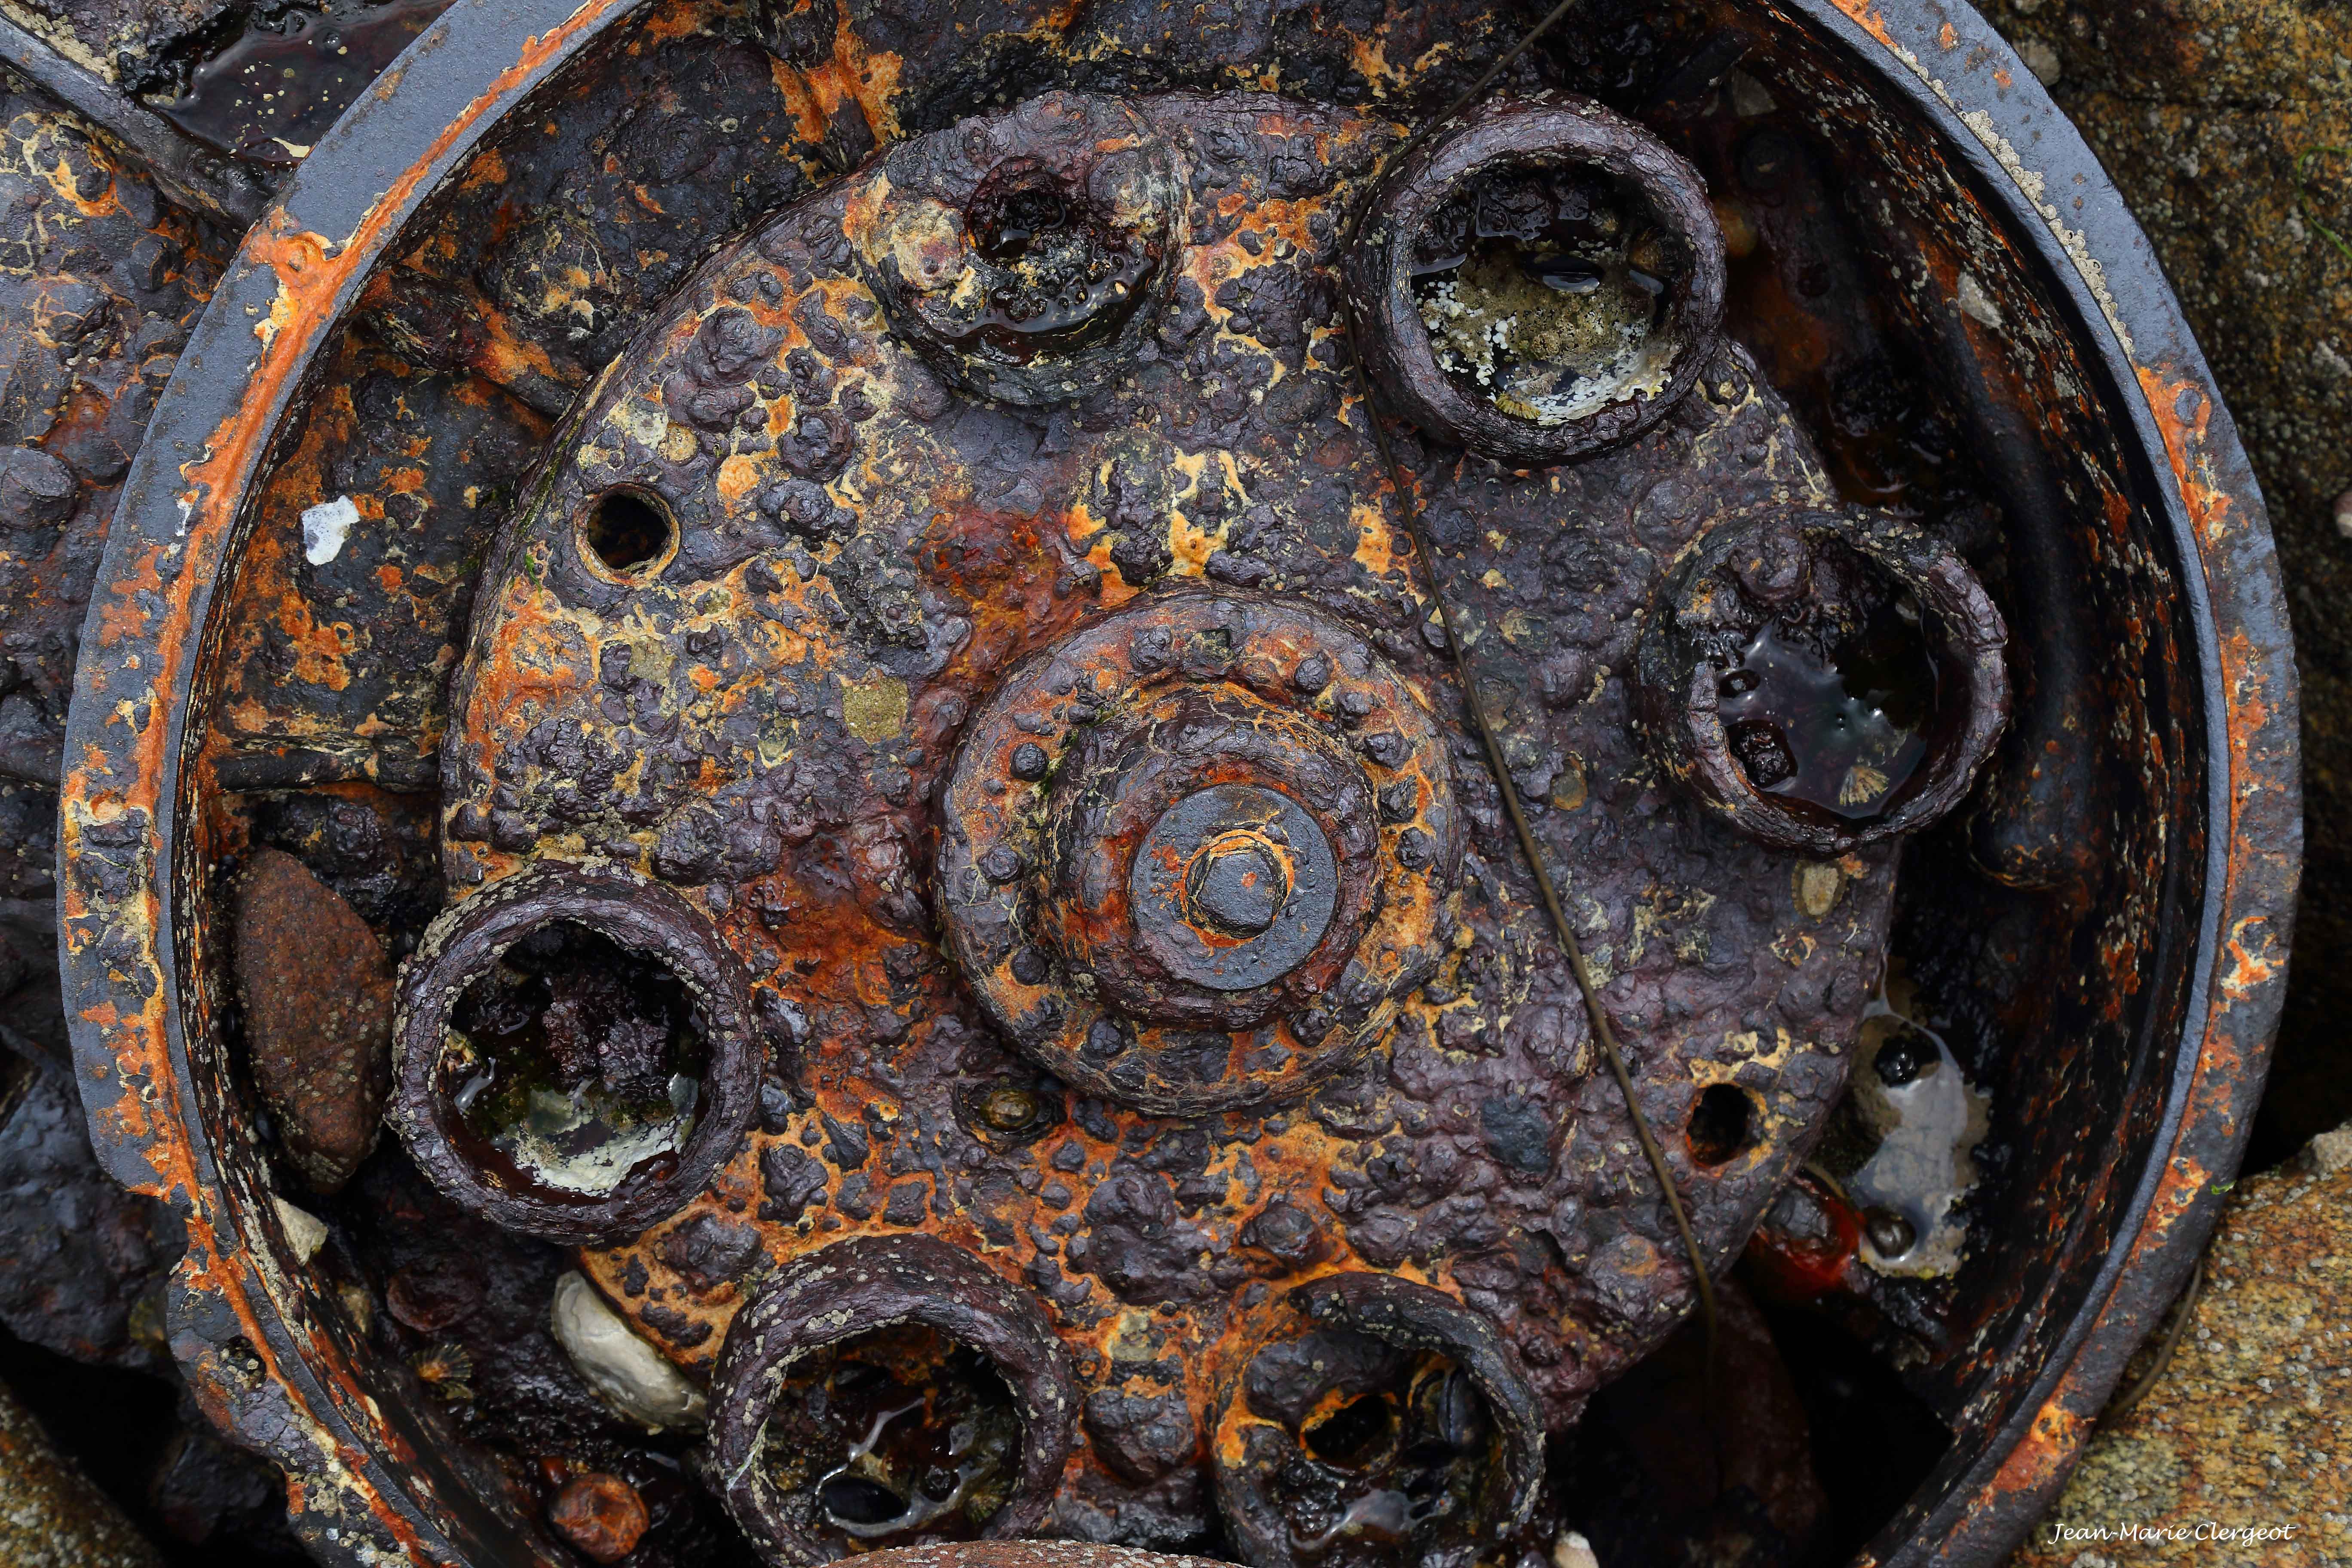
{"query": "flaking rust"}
pixel 1218 898
pixel 825 590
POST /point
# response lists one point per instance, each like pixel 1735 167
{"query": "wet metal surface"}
pixel 877 531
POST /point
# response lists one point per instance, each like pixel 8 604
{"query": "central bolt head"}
pixel 1236 885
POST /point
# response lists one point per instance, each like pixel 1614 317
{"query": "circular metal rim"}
pixel 868 1283
pixel 367 1491
pixel 1482 138
pixel 1686 735
pixel 1409 1315
pixel 179 522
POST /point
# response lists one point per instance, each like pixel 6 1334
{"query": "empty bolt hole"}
pixel 628 532
pixel 1720 1127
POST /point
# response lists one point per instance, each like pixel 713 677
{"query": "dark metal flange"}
pixel 1075 844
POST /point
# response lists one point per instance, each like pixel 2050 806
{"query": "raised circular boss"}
pixel 1194 854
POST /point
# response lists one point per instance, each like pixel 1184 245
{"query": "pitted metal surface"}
pixel 857 625
pixel 848 560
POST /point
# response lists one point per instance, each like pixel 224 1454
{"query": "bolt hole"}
pixel 1720 1127
pixel 574 1065
pixel 628 532
pixel 893 1433
pixel 1356 1435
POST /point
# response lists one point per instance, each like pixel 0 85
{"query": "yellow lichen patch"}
pixel 875 710
pixel 1567 785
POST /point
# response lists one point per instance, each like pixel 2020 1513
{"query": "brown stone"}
pixel 317 992
pixel 2249 1427
pixel 602 1515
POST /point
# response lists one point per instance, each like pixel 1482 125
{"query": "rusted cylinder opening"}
pixel 1377 1422
pixel 1824 680
pixel 573 1053
pixel 1017 251
pixel 888 1390
pixel 1540 280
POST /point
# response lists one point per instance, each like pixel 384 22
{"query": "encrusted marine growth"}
pixel 965 667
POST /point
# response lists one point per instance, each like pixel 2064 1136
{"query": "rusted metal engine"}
pixel 884 678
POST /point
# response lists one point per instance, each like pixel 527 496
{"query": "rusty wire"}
pixel 1408 500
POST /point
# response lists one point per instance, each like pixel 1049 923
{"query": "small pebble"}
pixel 600 1514
pixel 316 990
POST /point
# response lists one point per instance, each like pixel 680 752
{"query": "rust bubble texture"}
pixel 1176 694
pixel 759 718
pixel 100 281
pixel 2147 500
pixel 269 1352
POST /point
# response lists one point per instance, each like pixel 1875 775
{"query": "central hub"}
pixel 1234 886
pixel 1196 852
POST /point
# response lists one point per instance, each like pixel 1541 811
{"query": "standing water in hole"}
pixel 1397 1477
pixel 574 1065
pixel 1833 718
pixel 902 1433
pixel 1542 292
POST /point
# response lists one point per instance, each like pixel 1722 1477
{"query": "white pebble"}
pixel 617 1361
pixel 305 1232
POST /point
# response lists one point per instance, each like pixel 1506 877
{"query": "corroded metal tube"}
pixel 1751 658
pixel 1540 280
pixel 1373 1412
pixel 585 1096
pixel 818 1342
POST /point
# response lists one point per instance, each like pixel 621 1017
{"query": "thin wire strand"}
pixel 2124 1406
pixel 1408 501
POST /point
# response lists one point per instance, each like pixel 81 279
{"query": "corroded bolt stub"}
pixel 1230 818
pixel 1020 253
pixel 1539 280
pixel 573 1056
pixel 1824 680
